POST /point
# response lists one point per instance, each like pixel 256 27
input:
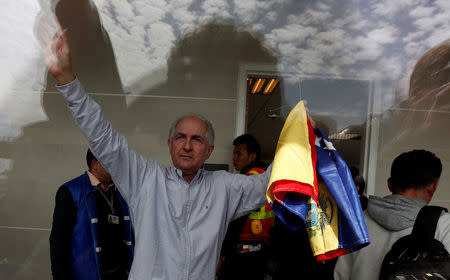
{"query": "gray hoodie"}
pixel 388 219
pixel 394 212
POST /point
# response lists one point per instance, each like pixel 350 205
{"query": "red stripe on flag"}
pixel 281 187
pixel 332 254
pixel 312 143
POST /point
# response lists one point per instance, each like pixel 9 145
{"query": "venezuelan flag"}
pixel 311 186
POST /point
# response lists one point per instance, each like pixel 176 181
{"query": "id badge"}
pixel 112 219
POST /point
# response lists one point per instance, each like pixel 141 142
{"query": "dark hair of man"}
pixel 251 144
pixel 89 157
pixel 415 169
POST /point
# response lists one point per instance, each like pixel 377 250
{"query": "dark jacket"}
pixel 85 249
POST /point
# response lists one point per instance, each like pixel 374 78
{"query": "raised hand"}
pixel 53 41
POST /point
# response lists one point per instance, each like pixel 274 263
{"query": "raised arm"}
pixel 110 148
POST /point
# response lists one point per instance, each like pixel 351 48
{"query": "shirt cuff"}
pixel 72 91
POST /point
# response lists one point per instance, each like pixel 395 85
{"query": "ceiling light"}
pixel 258 85
pixel 271 86
pixel 249 81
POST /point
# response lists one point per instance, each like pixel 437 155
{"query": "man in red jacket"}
pixel 245 251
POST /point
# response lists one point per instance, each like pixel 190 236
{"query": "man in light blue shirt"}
pixel 181 212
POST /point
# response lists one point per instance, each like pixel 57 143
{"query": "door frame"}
pixel 370 154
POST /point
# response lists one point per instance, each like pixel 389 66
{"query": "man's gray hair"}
pixel 209 128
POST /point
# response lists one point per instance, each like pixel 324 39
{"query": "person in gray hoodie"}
pixel 413 182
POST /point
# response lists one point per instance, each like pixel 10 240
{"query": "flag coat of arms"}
pixel 311 186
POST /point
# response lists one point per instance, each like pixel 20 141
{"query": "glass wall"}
pixel 148 62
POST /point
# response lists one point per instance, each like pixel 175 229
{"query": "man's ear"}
pixel 389 183
pixel 431 189
pixel 210 150
pixel 252 157
pixel 94 165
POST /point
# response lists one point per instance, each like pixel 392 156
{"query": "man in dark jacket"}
pixel 91 235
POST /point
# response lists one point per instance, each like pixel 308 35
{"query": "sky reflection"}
pixel 356 39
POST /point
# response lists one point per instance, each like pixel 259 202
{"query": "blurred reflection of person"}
pixel 245 251
pixel 430 84
pixel 91 235
pixel 423 118
pixel 49 149
pixel 180 212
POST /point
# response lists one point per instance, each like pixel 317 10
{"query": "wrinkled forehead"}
pixel 191 125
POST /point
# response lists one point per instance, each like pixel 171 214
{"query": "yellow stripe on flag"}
pixel 293 155
pixel 322 222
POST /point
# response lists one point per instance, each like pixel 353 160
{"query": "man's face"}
pixel 189 147
pixel 241 158
pixel 100 173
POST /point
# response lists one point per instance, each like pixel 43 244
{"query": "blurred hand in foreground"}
pixel 53 41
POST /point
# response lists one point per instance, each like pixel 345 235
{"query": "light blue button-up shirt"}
pixel 179 227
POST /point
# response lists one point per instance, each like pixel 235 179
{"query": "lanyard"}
pixel 110 202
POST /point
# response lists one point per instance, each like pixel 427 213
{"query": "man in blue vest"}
pixel 91 235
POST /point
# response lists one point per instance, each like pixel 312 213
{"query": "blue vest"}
pixel 85 246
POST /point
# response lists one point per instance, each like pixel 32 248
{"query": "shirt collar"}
pixel 179 172
pixel 96 182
